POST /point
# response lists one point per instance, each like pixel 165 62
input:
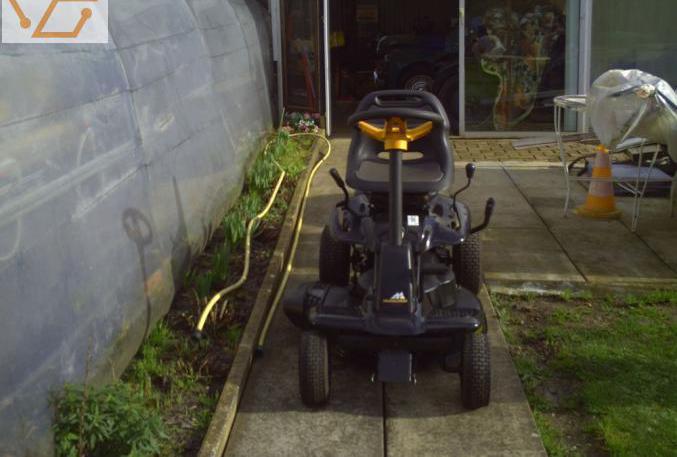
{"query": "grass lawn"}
pixel 600 373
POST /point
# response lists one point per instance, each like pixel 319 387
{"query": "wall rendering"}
pixel 116 162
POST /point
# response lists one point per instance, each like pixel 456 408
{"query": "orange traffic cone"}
pixel 600 203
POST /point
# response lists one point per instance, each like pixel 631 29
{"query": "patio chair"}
pixel 633 179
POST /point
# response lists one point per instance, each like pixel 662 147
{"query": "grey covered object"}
pixel 625 103
pixel 116 163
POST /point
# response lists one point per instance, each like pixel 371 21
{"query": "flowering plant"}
pixel 301 122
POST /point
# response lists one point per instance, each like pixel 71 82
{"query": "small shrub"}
pixel 221 262
pixel 233 335
pixel 109 421
pixel 204 283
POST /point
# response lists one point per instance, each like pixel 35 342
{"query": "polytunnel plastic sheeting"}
pixel 116 162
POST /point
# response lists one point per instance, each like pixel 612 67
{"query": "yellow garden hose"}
pixel 250 228
pixel 295 242
pixel 247 253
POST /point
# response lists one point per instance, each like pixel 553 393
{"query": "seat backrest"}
pixel 434 147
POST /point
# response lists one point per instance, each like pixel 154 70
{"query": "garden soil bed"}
pixel 209 360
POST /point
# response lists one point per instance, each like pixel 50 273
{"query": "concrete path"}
pixel 531 245
pixel 369 419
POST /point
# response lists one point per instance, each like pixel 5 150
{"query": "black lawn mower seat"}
pixel 431 172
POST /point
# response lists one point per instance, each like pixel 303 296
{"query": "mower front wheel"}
pixel 334 260
pixel 314 369
pixel 475 371
pixel 467 265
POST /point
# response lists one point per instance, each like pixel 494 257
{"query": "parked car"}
pixel 411 61
pixel 420 62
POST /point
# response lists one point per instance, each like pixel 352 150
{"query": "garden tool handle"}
pixel 402 113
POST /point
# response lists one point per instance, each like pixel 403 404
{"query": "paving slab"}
pixel 518 250
pixel 657 227
pixel 526 257
pixel 427 419
pixel 512 209
pixel 605 252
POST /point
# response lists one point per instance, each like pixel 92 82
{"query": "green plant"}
pixel 567 295
pixel 149 367
pixel 260 179
pixel 233 335
pixel 221 262
pixel 552 438
pixel 204 283
pixel 109 421
pixel 652 298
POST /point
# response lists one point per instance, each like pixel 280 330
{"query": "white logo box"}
pixel 55 21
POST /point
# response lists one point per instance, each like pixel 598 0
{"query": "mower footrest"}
pixel 395 366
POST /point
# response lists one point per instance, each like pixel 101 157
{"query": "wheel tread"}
pixel 476 371
pixel 467 263
pixel 314 371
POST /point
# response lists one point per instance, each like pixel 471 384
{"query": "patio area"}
pixel 531 246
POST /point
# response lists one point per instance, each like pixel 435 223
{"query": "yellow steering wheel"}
pixel 395 135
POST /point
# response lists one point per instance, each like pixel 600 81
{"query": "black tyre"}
pixel 314 369
pixel 467 265
pixel 334 260
pixel 475 371
pixel 418 77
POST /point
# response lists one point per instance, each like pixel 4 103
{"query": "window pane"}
pixel 631 34
pixel 517 61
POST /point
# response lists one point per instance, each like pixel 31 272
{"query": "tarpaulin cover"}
pixel 632 103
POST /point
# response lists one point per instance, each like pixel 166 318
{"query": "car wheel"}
pixel 417 78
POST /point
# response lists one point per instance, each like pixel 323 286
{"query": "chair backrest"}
pixel 434 147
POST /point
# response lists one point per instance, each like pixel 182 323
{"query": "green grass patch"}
pixel 611 361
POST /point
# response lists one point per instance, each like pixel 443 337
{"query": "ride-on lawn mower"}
pixel 399 262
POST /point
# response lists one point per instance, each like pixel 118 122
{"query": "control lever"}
pixel 488 212
pixel 470 170
pixel 342 185
pixel 339 182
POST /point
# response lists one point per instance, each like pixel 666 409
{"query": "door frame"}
pixel 326 48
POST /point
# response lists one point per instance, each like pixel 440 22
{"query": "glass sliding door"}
pixel 302 55
pixel 519 55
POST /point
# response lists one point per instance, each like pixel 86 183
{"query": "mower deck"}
pixel 333 309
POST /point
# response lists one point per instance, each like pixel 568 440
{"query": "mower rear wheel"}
pixel 467 265
pixel 334 260
pixel 314 369
pixel 475 371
